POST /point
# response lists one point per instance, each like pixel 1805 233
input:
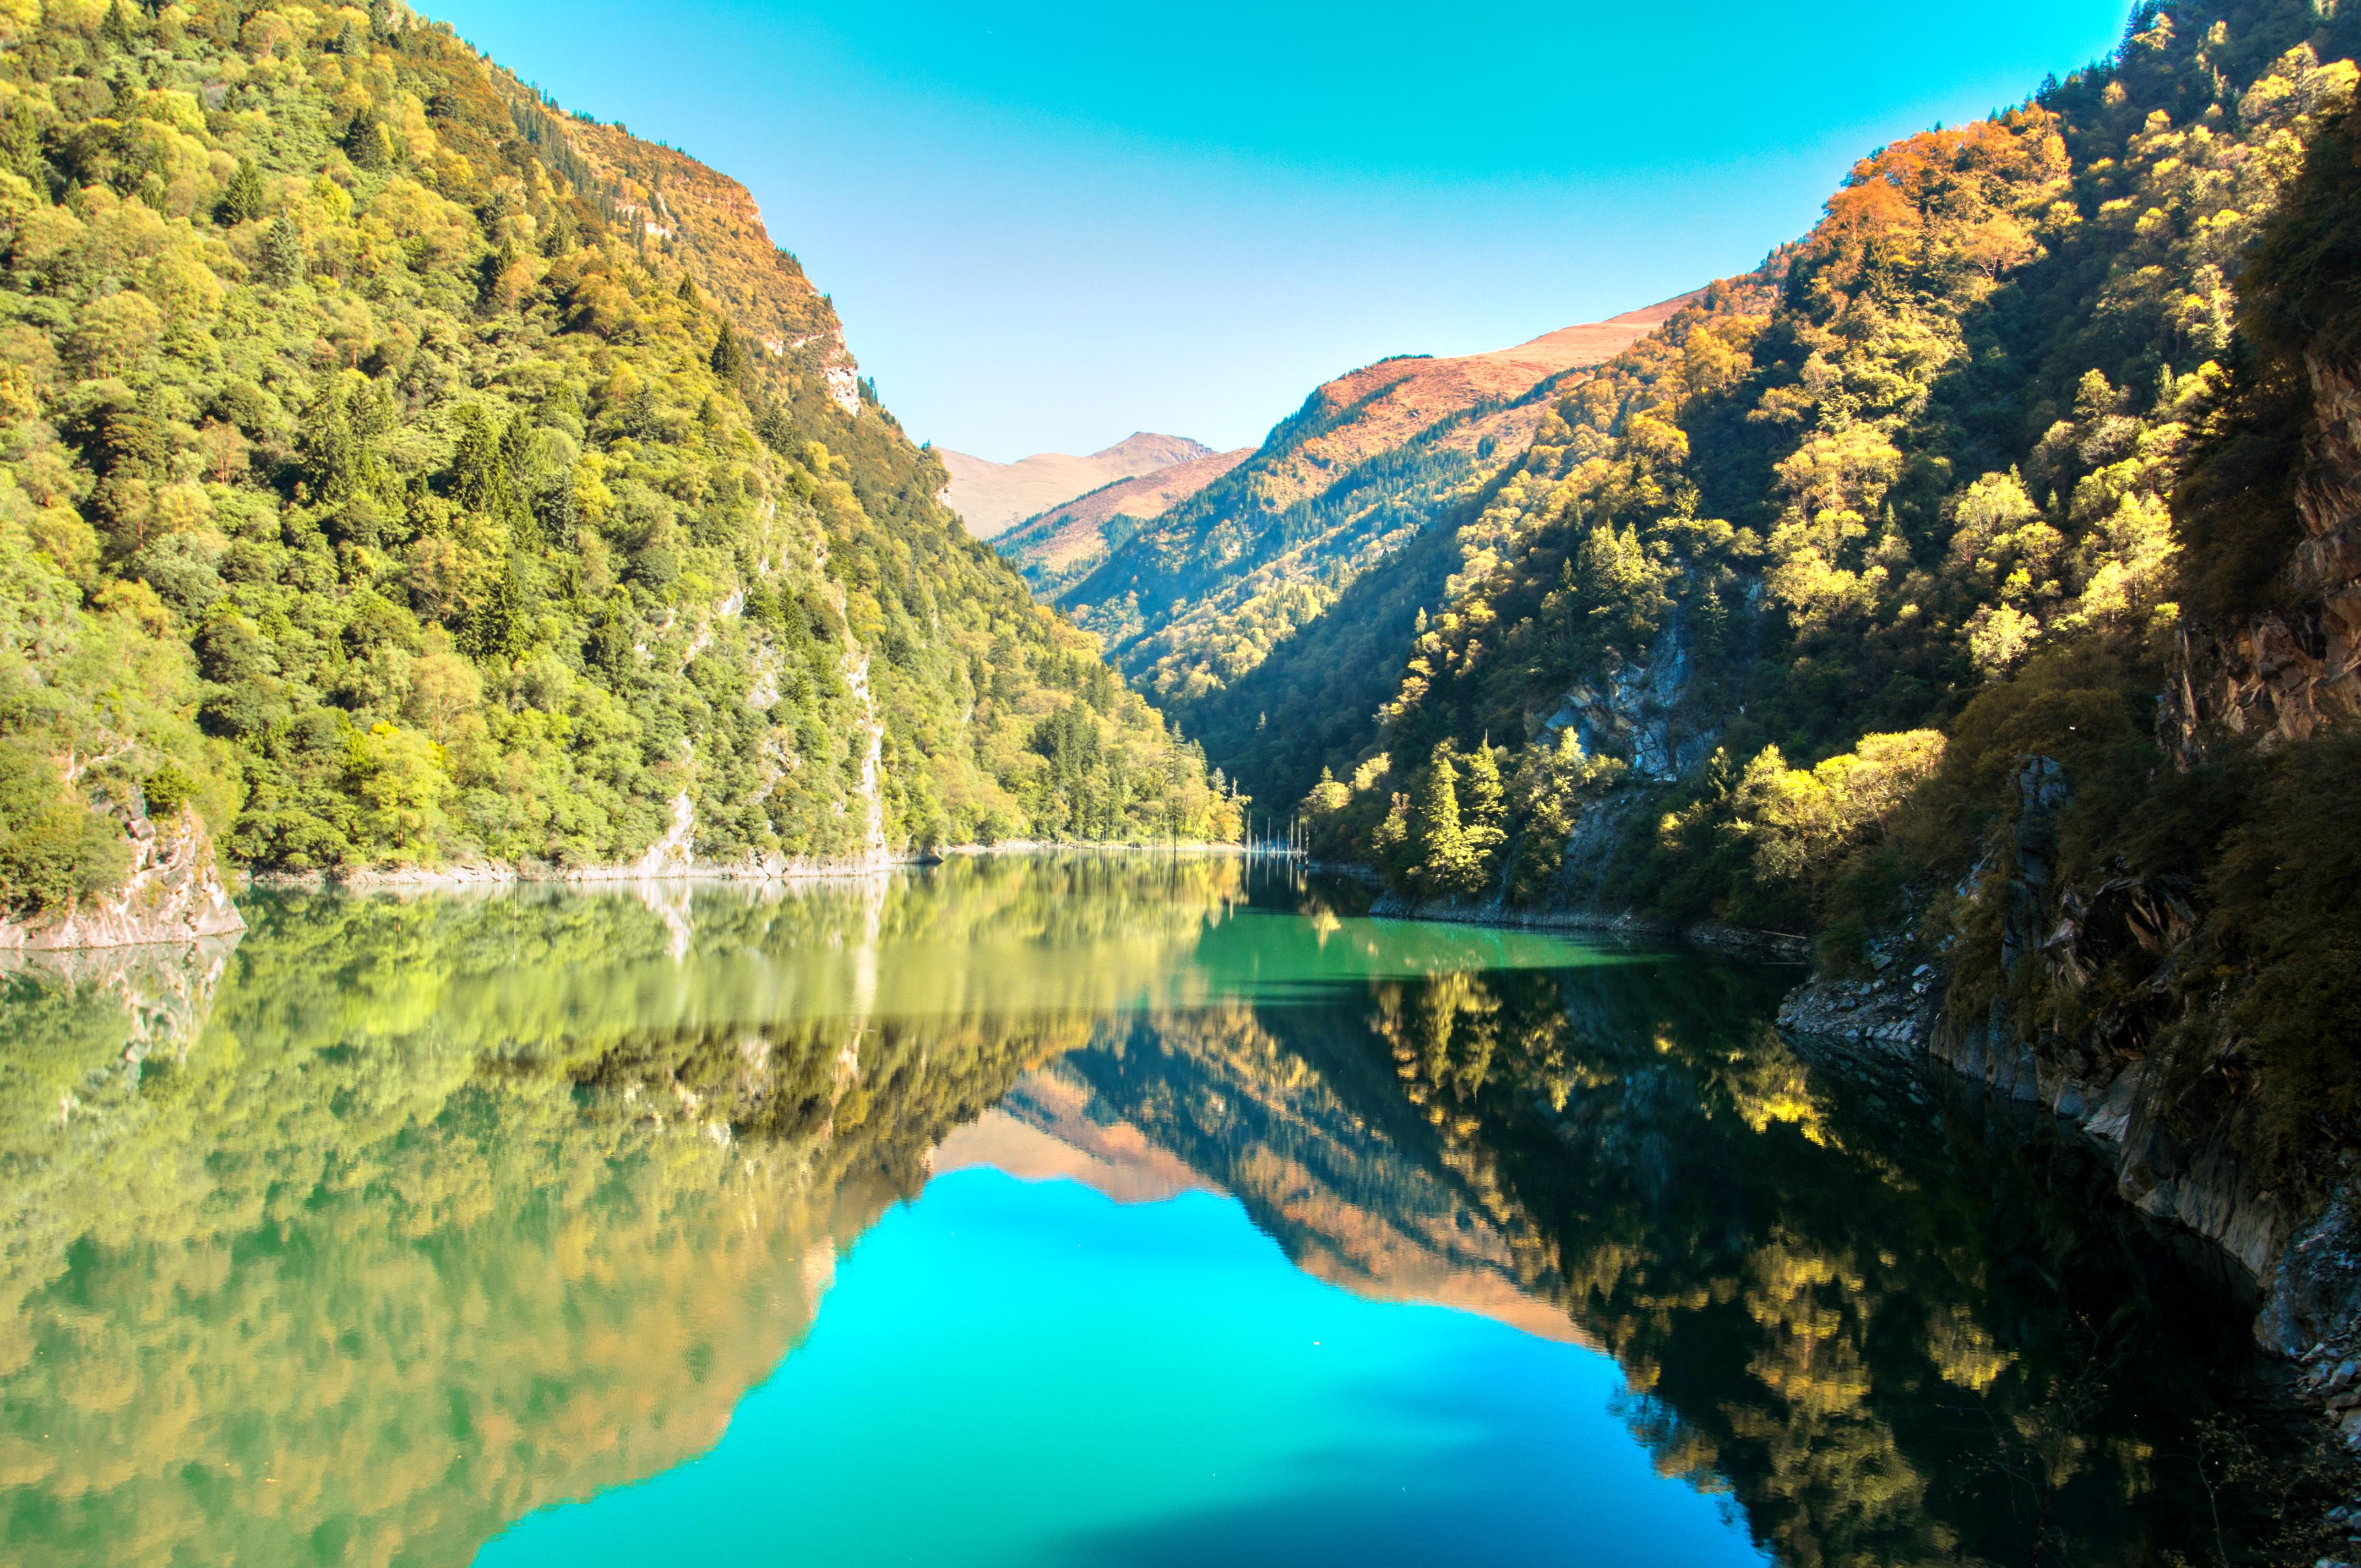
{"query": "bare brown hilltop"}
pixel 1058 543
pixel 990 496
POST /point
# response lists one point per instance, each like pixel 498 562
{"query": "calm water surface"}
pixel 1049 1212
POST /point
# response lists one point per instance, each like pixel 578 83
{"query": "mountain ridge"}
pixel 992 497
pixel 1055 547
pixel 1191 600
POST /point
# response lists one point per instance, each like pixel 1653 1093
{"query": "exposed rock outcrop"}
pixel 2283 675
pixel 2169 1122
pixel 1633 710
pixel 173 894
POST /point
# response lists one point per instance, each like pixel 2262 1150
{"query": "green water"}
pixel 1038 1211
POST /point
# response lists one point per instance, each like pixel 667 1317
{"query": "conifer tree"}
pixel 117 28
pixel 1444 865
pixel 728 357
pixel 243 198
pixel 1487 803
pixel 367 144
pixel 282 253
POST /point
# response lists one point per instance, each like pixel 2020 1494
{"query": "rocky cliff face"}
pixel 2285 674
pixel 173 894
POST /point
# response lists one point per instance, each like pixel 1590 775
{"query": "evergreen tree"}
pixel 243 198
pixel 1444 864
pixel 484 469
pixel 20 145
pixel 116 30
pixel 728 357
pixel 282 253
pixel 367 144
pixel 1487 802
pixel 496 631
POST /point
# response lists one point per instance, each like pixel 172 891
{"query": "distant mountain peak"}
pixel 990 496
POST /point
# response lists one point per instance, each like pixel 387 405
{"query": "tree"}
pixel 367 144
pixel 728 357
pixel 498 629
pixel 1447 864
pixel 1487 802
pixel 243 198
pixel 282 253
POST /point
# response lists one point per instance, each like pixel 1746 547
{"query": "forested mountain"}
pixel 1972 582
pixel 1190 601
pixel 395 470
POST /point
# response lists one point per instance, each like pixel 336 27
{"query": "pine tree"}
pixel 1444 864
pixel 243 198
pixel 728 357
pixel 367 144
pixel 496 631
pixel 1486 817
pixel 282 253
pixel 1487 802
pixel 117 28
pixel 20 147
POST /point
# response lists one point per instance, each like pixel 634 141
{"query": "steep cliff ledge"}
pixel 173 893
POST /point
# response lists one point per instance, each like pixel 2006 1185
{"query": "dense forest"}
pixel 1968 581
pixel 395 470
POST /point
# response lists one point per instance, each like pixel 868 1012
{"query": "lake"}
pixel 1095 1211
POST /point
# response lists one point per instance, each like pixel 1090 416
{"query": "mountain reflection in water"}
pixel 410 1216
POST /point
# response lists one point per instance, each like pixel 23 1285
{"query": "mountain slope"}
pixel 467 481
pixel 1191 600
pixel 1064 544
pixel 1973 585
pixel 990 496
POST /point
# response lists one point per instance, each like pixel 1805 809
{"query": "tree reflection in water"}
pixel 411 1215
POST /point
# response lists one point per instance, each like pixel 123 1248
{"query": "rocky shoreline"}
pixel 2172 1162
pixel 1622 926
pixel 173 893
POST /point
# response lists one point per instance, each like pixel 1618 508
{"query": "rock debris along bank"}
pixel 2171 1150
pixel 173 893
pixel 685 868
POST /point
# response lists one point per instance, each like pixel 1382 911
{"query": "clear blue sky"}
pixel 1048 226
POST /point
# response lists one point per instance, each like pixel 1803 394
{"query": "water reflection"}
pixel 410 1216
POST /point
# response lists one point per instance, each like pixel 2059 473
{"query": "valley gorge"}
pixel 508 748
pixel 1962 596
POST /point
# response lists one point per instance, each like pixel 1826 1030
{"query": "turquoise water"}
pixel 1078 1382
pixel 1034 1210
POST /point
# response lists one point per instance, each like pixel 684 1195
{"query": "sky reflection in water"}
pixel 1014 1373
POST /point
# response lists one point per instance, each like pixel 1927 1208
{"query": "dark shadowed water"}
pixel 1103 1211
